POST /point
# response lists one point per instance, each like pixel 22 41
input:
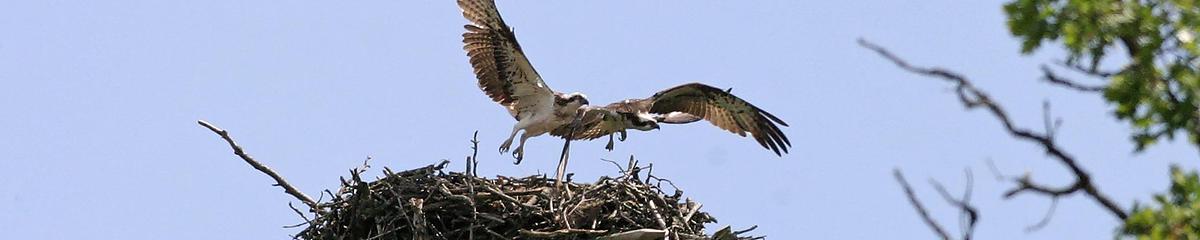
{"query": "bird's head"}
pixel 577 97
pixel 573 99
pixel 642 121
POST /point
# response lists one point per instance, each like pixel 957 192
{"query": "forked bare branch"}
pixel 972 97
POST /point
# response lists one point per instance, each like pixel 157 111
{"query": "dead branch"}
pixel 472 166
pixel 566 150
pixel 1045 219
pixel 969 214
pixel 297 211
pixel 237 150
pixel 912 198
pixel 1055 79
pixel 1085 70
pixel 1024 184
pixel 972 97
pixel 473 160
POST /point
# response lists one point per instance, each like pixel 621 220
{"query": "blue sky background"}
pixel 99 101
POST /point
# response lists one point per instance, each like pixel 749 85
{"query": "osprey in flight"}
pixel 506 76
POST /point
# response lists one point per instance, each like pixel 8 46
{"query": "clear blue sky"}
pixel 100 99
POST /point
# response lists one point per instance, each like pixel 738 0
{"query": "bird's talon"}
pixel 519 153
pixel 504 146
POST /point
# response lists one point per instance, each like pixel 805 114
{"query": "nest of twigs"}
pixel 429 203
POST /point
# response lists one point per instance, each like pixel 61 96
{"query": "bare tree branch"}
pixel 472 166
pixel 912 198
pixel 1085 70
pixel 970 215
pixel 566 151
pixel 473 160
pixel 237 150
pixel 972 97
pixel 1053 78
pixel 1045 219
pixel 1024 184
pixel 306 220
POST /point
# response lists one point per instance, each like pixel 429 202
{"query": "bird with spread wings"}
pixel 507 77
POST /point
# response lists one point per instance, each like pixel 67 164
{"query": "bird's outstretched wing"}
pixel 504 73
pixel 690 102
pixel 596 122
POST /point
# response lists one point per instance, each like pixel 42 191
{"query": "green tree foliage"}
pixel 1156 89
pixel 1176 214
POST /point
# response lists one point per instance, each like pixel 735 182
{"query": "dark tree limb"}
pixel 237 150
pixel 912 198
pixel 306 220
pixel 1045 219
pixel 1055 79
pixel 972 97
pixel 471 172
pixel 1024 184
pixel 1086 70
pixel 969 214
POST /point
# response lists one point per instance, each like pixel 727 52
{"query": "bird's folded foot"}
pixel 504 146
pixel 609 147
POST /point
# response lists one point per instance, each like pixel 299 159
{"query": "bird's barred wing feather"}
pixel 722 109
pixel 596 122
pixel 504 72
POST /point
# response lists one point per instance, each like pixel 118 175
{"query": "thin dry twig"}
pixel 972 97
pixel 1051 77
pixel 473 161
pixel 969 214
pixel 1085 70
pixel 1045 219
pixel 566 150
pixel 302 216
pixel 471 171
pixel 912 198
pixel 237 150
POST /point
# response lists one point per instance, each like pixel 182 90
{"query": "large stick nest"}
pixel 429 203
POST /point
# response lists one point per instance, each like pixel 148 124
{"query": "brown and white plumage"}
pixel 504 72
pixel 507 77
pixel 683 104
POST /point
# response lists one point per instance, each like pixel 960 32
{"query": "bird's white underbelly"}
pixel 544 123
pixel 542 120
